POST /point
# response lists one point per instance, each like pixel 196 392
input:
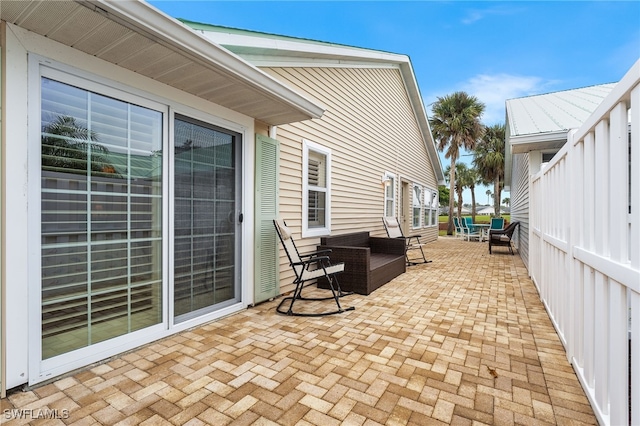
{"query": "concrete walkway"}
pixel 464 340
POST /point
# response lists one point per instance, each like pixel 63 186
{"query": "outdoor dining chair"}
pixel 497 223
pixel 458 227
pixel 502 237
pixel 468 230
pixel 307 267
pixel 412 242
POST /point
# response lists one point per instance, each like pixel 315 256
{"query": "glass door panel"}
pixel 205 206
pixel 101 217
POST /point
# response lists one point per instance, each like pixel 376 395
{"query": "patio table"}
pixel 484 231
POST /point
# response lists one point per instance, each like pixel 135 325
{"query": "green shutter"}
pixel 266 209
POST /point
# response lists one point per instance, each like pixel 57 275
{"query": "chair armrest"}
pixel 315 253
pixel 311 261
pixel 387 245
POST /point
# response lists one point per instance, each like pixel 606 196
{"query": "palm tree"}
pixel 460 184
pixel 456 125
pixel 473 179
pixel 506 201
pixel 68 145
pixel 489 160
pixel 462 173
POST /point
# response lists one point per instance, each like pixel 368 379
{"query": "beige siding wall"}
pixel 370 127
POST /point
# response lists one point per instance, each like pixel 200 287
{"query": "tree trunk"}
pixel 452 192
pixel 496 198
pixel 473 204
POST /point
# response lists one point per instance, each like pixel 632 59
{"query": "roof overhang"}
pixel 134 35
pixel 538 142
pixel 269 50
pixel 521 144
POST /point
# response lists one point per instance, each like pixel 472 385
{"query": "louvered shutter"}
pixel 266 209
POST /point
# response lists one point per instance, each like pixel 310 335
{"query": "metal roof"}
pixel 541 122
pixel 553 112
pixel 136 36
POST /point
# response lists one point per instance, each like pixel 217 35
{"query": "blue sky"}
pixel 491 49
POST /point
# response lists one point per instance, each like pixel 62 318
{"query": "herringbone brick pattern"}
pixel 464 340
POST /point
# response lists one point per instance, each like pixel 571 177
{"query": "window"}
pixel 430 207
pixel 101 217
pixel 316 189
pixel 417 205
pixel 389 195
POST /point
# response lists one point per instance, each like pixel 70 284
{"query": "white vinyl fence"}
pixel 585 251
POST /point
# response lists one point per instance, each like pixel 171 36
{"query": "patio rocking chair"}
pixel 308 267
pixel 412 242
pixel 502 237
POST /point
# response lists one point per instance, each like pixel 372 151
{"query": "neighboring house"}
pixel 136 175
pixel 487 210
pixel 537 128
pixel 370 155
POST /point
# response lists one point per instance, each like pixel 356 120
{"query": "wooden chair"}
pixel 307 267
pixel 502 237
pixel 412 242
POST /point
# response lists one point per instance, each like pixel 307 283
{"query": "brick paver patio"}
pixel 464 340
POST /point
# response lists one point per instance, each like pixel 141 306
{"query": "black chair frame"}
pixel 308 267
pixel 502 237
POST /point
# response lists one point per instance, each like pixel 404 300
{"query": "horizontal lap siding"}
pixel 520 203
pixel 370 127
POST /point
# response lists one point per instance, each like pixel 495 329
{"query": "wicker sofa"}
pixel 370 262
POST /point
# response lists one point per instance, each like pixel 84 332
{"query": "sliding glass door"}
pixel 206 210
pixel 128 234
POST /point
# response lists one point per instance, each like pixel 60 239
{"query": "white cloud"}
pixel 474 15
pixel 494 90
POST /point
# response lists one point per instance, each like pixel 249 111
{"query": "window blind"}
pixel 204 211
pixel 101 208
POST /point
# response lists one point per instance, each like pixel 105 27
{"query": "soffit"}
pixel 138 37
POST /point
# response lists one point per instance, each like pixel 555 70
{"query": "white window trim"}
pixel 40 369
pixel 392 177
pixel 433 209
pixel 326 230
pixel 413 206
pixel 39 66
